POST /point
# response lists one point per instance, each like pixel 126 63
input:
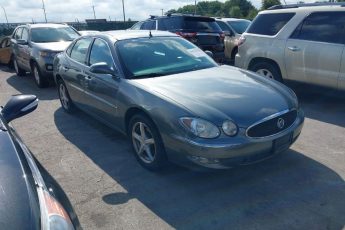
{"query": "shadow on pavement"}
pixel 320 103
pixel 59 194
pixel 26 85
pixel 289 191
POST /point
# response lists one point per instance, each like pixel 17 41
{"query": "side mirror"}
pixel 209 53
pixel 18 106
pixel 102 68
pixel 22 42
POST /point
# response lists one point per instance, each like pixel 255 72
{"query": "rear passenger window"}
pixel 170 23
pixel 322 27
pixel 269 24
pixel 79 50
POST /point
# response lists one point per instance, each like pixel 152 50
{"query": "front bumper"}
pixel 230 152
pixel 46 67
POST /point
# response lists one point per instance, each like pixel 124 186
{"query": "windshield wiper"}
pixel 148 75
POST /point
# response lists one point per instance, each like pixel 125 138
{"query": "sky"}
pixel 79 10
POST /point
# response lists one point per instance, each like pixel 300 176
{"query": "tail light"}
pixel 53 215
pixel 241 40
pixel 186 35
pixel 222 36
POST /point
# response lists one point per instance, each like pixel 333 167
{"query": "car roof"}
pixel 308 8
pixel 45 25
pixel 231 19
pixel 128 34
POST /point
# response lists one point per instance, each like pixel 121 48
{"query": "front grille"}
pixel 270 127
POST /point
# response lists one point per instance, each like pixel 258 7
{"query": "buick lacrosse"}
pixel 174 102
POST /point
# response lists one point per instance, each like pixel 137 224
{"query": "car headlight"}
pixel 230 128
pixel 47 54
pixel 200 127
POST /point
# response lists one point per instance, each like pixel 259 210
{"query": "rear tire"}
pixel 267 70
pixel 41 82
pixel 147 143
pixel 19 71
pixel 65 99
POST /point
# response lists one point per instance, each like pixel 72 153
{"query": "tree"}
pixel 235 12
pixel 252 14
pixel 268 3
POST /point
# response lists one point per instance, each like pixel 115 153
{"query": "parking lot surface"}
pixel 302 188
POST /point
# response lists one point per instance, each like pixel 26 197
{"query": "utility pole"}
pixel 8 25
pixel 195 7
pixel 44 11
pixel 94 13
pixel 162 11
pixel 123 10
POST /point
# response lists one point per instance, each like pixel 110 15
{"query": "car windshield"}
pixel 239 26
pixel 39 35
pixel 159 56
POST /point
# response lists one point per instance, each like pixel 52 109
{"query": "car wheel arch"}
pixel 256 60
pixel 134 111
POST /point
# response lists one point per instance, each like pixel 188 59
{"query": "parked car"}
pixel 34 47
pixel 302 42
pixel 26 201
pixel 174 102
pixel 202 31
pixel 233 28
pixel 5 50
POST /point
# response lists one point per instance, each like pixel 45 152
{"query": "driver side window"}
pixel 100 53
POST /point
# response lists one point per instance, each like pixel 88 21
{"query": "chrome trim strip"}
pixel 215 146
pixel 30 106
pixel 269 118
pixel 101 100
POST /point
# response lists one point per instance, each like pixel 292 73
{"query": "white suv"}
pixel 303 42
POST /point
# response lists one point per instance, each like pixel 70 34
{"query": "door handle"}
pixel 65 68
pixel 294 48
pixel 88 78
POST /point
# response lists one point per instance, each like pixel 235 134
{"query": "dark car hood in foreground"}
pixel 18 206
pixel 223 92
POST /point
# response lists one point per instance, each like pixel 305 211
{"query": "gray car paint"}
pixel 215 94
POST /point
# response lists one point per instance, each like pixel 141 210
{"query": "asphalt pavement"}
pixel 302 188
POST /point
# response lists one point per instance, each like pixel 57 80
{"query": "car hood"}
pixel 223 92
pixel 19 207
pixel 53 46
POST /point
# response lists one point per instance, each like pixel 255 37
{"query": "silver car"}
pixel 303 42
pixel 34 47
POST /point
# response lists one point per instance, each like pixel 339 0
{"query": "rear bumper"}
pixel 230 152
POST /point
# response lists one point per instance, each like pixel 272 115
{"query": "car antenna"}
pixel 150 34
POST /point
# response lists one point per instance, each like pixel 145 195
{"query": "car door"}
pixel 5 50
pixel 313 52
pixel 73 70
pixel 15 48
pixel 101 89
pixel 25 50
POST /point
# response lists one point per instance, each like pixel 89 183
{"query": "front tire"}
pixel 267 70
pixel 19 71
pixel 65 99
pixel 147 143
pixel 41 82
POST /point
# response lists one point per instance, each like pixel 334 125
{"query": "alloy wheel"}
pixel 265 73
pixel 16 66
pixel 143 142
pixel 37 75
pixel 63 96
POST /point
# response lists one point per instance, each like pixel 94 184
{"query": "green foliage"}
pixel 268 3
pixel 230 8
